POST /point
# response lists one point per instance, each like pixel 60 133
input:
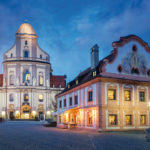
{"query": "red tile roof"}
pixel 1 79
pixel 57 81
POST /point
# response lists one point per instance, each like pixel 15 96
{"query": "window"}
pixel 26 97
pixel 112 94
pixel 11 55
pixel 40 98
pixel 59 119
pixel 89 119
pixel 127 95
pixel 11 98
pixel 26 76
pixel 64 102
pixel 142 96
pixel 112 119
pixel 90 96
pixel 128 119
pixel 26 42
pixel 143 120
pixel 60 104
pixel 76 100
pixel 11 79
pixel 70 101
pixel 41 79
pixel 26 54
pixel 40 56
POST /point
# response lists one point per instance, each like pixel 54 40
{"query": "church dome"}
pixel 26 29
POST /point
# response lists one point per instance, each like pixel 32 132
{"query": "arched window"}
pixel 26 97
pixel 26 76
pixel 26 42
pixel 40 56
pixel 11 98
pixel 26 54
pixel 11 79
pixel 41 79
pixel 40 98
pixel 11 55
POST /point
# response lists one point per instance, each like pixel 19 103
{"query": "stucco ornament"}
pixel 134 62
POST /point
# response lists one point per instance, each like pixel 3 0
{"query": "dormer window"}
pixel 26 42
pixel 40 56
pixel 26 54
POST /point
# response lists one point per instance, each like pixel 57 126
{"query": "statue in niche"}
pixel 34 81
pixel 47 83
pixel 17 81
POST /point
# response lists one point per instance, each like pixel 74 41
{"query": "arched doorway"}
pixel 25 112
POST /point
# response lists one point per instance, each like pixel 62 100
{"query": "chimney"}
pixel 94 56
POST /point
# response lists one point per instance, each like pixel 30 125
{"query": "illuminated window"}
pixel 76 100
pixel 127 95
pixel 26 76
pixel 143 119
pixel 112 119
pixel 70 101
pixel 40 98
pixel 128 119
pixel 90 96
pixel 59 119
pixel 142 96
pixel 41 80
pixel 11 79
pixel 64 102
pixel 11 98
pixel 94 73
pixel 89 119
pixel 26 54
pixel 26 97
pixel 60 104
pixel 112 94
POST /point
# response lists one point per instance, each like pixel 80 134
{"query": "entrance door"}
pixel 41 116
pixel 11 115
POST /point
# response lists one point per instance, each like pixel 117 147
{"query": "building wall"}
pixel 101 107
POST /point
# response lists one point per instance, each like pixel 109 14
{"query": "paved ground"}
pixel 33 136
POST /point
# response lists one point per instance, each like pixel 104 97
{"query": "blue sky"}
pixel 67 29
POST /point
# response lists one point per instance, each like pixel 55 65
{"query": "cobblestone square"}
pixel 33 136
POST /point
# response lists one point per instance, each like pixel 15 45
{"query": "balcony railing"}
pixel 26 59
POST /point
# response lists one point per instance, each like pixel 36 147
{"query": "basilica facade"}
pixel 27 86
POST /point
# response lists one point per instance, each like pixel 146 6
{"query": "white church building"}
pixel 27 86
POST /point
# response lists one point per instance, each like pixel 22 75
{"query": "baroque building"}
pixel 27 86
pixel 113 93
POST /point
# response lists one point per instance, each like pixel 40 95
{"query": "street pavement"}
pixel 22 135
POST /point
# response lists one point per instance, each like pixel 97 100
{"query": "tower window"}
pixel 26 42
pixel 26 97
pixel 40 56
pixel 26 76
pixel 26 54
pixel 11 79
pixel 11 98
pixel 40 98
